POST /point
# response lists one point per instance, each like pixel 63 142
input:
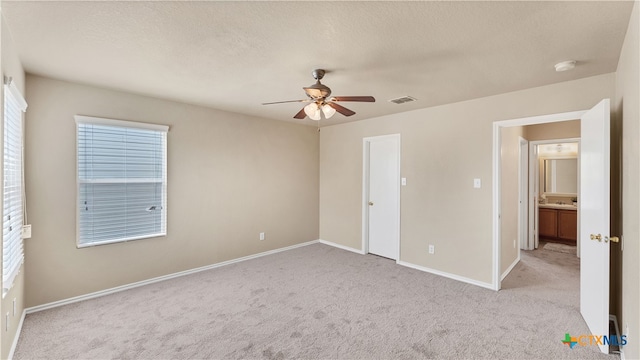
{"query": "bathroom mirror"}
pixel 560 175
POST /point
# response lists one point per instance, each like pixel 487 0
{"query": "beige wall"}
pixel 509 195
pixel 627 102
pixel 551 131
pixel 443 149
pixel 11 66
pixel 230 177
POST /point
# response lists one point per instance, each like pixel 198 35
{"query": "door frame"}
pixel 365 190
pixel 534 190
pixel 497 144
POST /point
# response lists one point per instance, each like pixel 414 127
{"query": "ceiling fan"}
pixel 320 102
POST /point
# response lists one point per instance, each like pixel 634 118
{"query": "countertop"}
pixel 558 206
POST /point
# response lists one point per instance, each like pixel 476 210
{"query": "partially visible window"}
pixel 122 180
pixel 12 211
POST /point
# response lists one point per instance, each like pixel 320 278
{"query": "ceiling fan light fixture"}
pixel 328 111
pixel 313 111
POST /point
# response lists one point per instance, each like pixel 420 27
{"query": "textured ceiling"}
pixel 236 55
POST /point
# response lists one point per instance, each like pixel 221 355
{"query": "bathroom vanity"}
pixel 558 223
pixel 558 186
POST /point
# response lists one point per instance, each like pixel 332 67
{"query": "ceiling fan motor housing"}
pixel 318 91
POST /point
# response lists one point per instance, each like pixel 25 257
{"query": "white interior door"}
pixel 534 168
pixel 384 196
pixel 523 203
pixel 594 219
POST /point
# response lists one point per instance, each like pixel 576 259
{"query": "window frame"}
pixel 13 267
pixel 164 129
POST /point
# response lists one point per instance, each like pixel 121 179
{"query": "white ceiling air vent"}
pixel 402 100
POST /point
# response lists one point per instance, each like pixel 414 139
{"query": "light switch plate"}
pixel 477 183
pixel 404 181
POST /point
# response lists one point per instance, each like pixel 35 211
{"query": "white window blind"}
pixel 121 180
pixel 12 211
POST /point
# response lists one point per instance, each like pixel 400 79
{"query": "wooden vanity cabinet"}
pixel 568 225
pixel 548 223
pixel 558 225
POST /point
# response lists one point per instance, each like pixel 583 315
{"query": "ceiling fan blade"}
pixel 300 115
pixel 288 101
pixel 354 98
pixel 341 109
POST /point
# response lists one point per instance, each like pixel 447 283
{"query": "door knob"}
pixel 596 237
pixel 370 203
pixel 614 239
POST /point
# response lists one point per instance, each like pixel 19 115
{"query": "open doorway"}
pixel 554 186
pixel 594 206
pixel 526 151
pixel 507 136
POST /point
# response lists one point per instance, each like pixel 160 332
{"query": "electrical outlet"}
pixel 261 236
pixel 432 249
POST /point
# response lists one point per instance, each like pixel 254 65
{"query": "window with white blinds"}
pixel 122 180
pixel 12 211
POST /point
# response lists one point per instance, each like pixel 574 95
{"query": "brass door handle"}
pixel 370 203
pixel 598 237
pixel 614 239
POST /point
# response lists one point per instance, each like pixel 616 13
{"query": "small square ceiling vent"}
pixel 402 100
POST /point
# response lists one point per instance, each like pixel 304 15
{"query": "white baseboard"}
pixel 17 336
pixel 417 267
pixel 506 272
pixel 158 279
pixel 448 275
pixel 357 251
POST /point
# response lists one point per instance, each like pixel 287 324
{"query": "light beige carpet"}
pixel 319 302
pixel 567 249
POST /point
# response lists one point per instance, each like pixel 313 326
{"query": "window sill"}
pixel 115 241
